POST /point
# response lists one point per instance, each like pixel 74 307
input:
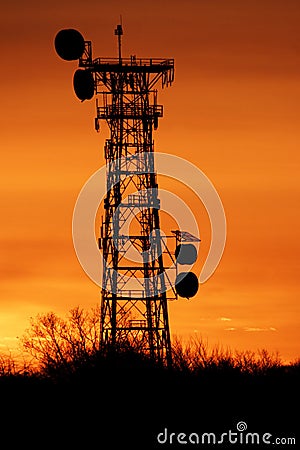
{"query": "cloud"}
pixel 251 329
pixel 224 319
pixel 230 329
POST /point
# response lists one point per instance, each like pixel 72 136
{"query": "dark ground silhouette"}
pixel 123 401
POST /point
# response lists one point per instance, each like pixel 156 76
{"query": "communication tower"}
pixel 127 89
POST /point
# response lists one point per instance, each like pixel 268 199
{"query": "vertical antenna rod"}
pixel 119 33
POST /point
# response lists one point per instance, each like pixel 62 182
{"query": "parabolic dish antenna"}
pixel 69 44
pixel 83 83
pixel 186 284
pixel 186 254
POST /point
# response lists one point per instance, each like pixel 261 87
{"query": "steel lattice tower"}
pixel 134 291
pixel 140 316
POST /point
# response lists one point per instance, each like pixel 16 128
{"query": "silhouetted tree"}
pixel 55 342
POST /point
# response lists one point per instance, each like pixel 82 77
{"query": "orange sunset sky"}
pixel 233 111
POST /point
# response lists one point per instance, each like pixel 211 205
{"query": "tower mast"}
pixel 129 106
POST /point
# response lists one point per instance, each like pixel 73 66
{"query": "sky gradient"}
pixel 233 111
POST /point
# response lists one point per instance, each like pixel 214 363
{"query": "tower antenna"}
pixel 119 33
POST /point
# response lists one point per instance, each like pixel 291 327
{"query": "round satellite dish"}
pixel 186 254
pixel 83 83
pixel 186 284
pixel 69 44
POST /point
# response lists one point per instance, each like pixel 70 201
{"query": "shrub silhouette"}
pixel 71 342
pixel 196 356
